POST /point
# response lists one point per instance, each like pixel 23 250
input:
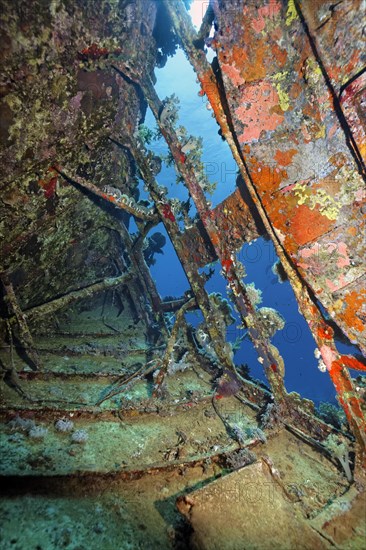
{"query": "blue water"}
pixel 178 77
pixel 295 341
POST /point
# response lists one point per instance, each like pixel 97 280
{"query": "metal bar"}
pixel 123 202
pixel 195 280
pixel 20 317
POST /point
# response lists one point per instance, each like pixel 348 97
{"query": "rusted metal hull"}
pixel 295 106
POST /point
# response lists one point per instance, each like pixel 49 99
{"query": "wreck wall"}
pixel 293 81
pixel 61 100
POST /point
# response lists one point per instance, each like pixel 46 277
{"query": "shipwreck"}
pixel 124 424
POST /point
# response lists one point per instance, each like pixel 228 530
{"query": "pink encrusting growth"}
pixel 234 74
pixel 258 111
pixel 264 14
pixel 343 259
pixel 328 356
pixel 338 283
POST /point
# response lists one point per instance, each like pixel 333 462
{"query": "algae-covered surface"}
pixel 138 510
pixel 110 478
pixel 90 462
pixel 96 513
pixel 261 516
pixel 131 444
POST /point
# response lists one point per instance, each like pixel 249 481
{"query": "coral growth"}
pixel 331 414
pixel 253 432
pixel 95 52
pixel 254 294
pixel 178 366
pixel 271 417
pixel 64 425
pixel 271 320
pixel 19 424
pixel 38 432
pixel 28 426
pixel 80 436
pixel 228 384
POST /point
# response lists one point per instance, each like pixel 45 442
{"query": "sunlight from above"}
pixel 197 11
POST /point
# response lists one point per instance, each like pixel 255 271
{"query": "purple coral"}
pixel 38 432
pixel 80 436
pixel 228 384
pixel 64 425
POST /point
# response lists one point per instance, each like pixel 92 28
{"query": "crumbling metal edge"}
pixel 322 332
pixel 129 413
pixel 93 412
pixel 250 389
pixel 232 204
pixel 117 354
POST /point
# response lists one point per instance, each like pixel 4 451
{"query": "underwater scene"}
pixel 182 275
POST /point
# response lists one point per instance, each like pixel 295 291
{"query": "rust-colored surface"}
pixel 306 212
pixel 303 151
pixel 235 218
pixel 266 517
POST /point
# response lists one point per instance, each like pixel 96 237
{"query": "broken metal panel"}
pixel 297 153
pixel 196 246
pixel 235 217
